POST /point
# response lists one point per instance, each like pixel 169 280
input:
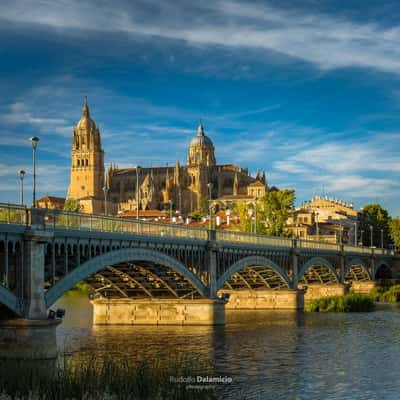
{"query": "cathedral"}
pixel 186 188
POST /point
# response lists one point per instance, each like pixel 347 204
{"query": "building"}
pixel 325 219
pixel 186 188
pixel 51 202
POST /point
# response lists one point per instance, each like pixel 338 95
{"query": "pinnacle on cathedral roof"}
pixel 200 129
pixel 85 110
pixel 86 122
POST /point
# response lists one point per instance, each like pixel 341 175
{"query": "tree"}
pixel 72 205
pixel 394 226
pixel 377 217
pixel 277 206
pixel 242 210
pixel 273 211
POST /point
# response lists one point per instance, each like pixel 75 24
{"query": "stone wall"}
pixel 363 286
pixel 282 299
pixel 158 312
pixel 316 291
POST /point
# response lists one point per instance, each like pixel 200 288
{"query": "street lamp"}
pixel 371 228
pixel 255 216
pixel 105 190
pixel 137 192
pixel 170 211
pixel 381 238
pixel 316 225
pixel 355 234
pixel 209 185
pixel 34 140
pixel 362 235
pixel 21 186
pixel 250 214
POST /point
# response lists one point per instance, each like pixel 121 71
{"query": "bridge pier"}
pixel 158 311
pixel 364 287
pixel 33 288
pixel 265 299
pixel 28 339
pixel 318 290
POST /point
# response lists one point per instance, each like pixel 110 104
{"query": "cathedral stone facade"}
pixel 186 188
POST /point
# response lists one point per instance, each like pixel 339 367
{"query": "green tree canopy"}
pixel 377 217
pixel 395 231
pixel 277 206
pixel 273 211
pixel 72 205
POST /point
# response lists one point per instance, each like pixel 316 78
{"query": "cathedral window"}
pixel 79 163
pixel 87 162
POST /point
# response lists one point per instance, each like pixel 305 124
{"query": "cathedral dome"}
pixel 201 138
pixel 201 149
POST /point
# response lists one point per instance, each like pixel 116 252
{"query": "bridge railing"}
pixel 357 249
pixel 56 219
pixel 241 237
pixel 14 214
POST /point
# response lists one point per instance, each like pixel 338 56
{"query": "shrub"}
pixel 352 302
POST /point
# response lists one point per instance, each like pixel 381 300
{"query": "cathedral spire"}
pixel 200 129
pixel 85 110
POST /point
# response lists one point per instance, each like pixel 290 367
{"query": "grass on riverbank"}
pixel 352 302
pixel 389 294
pixel 94 379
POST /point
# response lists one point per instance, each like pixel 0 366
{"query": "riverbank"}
pixel 352 302
pixel 97 378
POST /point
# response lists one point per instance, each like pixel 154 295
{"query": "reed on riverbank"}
pixel 352 302
pixel 99 379
pixel 388 294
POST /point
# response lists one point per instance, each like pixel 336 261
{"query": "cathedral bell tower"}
pixel 200 161
pixel 87 166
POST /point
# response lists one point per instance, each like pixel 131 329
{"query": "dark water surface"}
pixel 268 355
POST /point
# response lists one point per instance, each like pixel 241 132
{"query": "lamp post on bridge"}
pixel 170 211
pixel 105 190
pixel 362 235
pixel 355 234
pixel 21 186
pixel 371 228
pixel 34 141
pixel 381 238
pixel 255 215
pixel 137 191
pixel 209 185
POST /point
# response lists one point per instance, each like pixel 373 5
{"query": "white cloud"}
pixel 327 41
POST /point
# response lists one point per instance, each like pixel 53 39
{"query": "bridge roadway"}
pixel 144 272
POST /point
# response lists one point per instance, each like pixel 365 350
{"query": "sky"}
pixel 307 91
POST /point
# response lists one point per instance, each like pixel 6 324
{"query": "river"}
pixel 268 355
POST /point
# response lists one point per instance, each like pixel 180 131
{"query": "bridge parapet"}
pixel 62 220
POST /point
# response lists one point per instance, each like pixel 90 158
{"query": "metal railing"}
pixel 312 244
pixel 235 236
pixel 57 219
pixel 14 214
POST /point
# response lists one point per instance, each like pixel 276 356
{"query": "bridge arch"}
pixel 357 270
pixel 252 262
pixel 127 255
pixel 383 270
pixel 326 273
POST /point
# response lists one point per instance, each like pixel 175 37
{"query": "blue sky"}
pixel 308 91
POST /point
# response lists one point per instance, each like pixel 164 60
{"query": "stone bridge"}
pixel 142 272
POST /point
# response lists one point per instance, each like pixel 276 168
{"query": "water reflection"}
pixel 269 355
